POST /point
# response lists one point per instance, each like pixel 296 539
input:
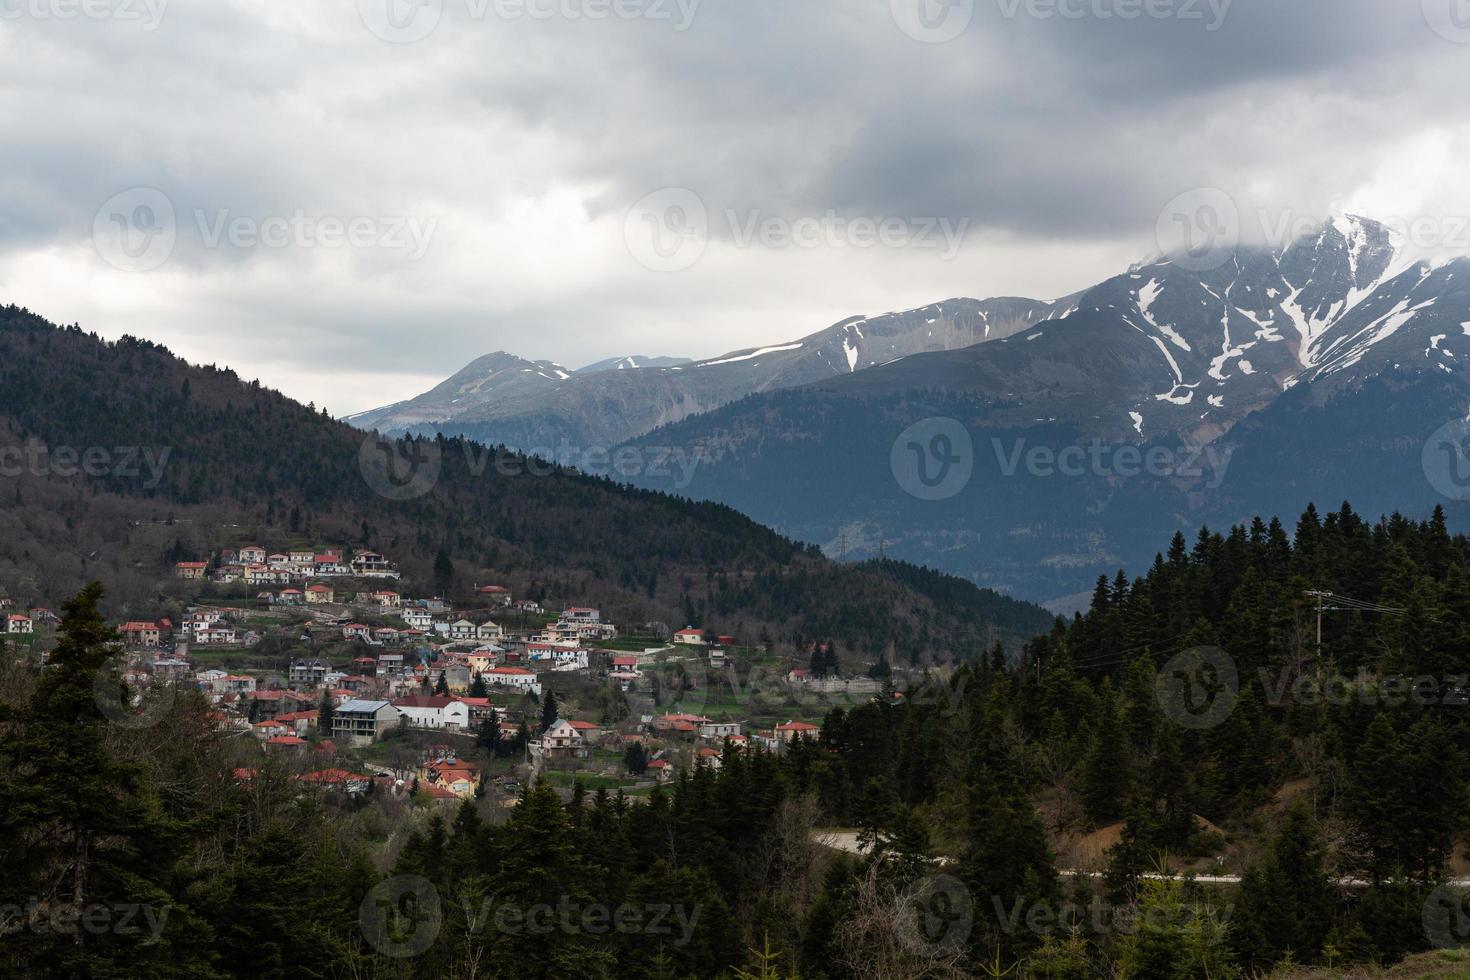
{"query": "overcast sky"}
pixel 350 201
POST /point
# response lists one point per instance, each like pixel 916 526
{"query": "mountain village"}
pixel 333 666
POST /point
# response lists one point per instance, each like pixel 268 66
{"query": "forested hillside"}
pixel 208 455
pixel 1322 791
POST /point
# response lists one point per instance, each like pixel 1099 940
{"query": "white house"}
pixel 433 711
pixel 563 739
pixel 16 623
pixel 559 655
pixel 581 614
pixel 717 730
pixel 517 677
pixel 215 635
pixel 370 563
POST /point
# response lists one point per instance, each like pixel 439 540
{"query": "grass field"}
pixel 592 781
pixel 1445 964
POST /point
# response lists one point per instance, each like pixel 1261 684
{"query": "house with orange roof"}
pixel 139 634
pixel 340 780
pixel 318 594
pixel 285 743
pixel 269 728
pixel 300 721
pixel 789 731
pixel 590 731
pixel 459 777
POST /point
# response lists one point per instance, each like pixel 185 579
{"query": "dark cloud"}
pixel 526 140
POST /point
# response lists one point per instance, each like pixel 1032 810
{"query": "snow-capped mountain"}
pixel 632 362
pixel 504 399
pixel 498 375
pixel 1314 371
pixel 1165 348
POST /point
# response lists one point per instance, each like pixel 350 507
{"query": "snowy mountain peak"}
pixel 632 362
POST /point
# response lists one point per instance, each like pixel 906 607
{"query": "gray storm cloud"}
pixel 1053 129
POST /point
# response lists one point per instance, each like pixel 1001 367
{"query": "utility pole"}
pixel 1321 597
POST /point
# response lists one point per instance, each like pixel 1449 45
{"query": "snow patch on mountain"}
pixel 751 354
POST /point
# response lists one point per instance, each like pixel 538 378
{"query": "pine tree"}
pixel 443 572
pixel 1286 900
pixel 80 826
pixel 326 709
pixel 635 758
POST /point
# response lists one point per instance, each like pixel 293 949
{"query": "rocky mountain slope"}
pixel 538 405
pixel 1167 396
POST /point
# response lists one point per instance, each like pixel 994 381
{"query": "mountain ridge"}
pixel 1270 360
pixel 241 462
pixel 603 408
